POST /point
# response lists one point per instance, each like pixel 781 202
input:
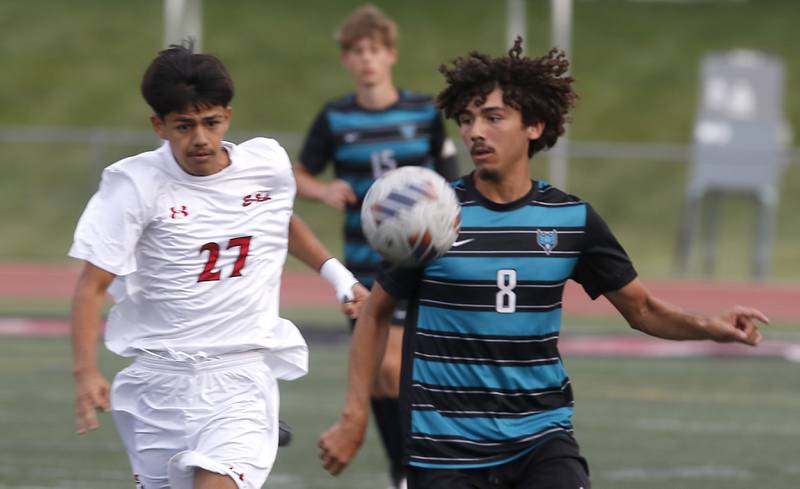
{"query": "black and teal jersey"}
pixel 363 144
pixel 482 381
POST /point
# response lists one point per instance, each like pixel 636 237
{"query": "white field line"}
pixel 76 485
pixel 573 345
pixel 66 473
pixel 689 472
pixel 104 479
pixel 676 425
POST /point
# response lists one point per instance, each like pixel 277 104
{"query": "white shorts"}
pixel 220 415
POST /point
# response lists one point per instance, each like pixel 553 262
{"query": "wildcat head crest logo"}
pixel 548 240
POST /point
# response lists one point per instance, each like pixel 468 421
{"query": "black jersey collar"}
pixel 472 193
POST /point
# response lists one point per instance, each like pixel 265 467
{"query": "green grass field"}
pixel 655 423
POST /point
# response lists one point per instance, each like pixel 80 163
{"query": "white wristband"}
pixel 340 277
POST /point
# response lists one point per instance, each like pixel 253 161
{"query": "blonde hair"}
pixel 367 21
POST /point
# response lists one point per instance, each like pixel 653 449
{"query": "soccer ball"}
pixel 411 216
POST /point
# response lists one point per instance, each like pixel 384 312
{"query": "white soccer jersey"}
pixel 198 259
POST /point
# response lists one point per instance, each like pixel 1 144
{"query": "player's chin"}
pixel 488 174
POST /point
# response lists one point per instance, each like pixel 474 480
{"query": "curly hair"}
pixel 537 87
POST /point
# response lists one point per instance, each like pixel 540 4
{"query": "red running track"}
pixel 779 301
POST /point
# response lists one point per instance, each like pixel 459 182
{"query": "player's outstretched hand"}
pixel 737 325
pixel 339 445
pixel 91 394
pixel 352 308
pixel 338 194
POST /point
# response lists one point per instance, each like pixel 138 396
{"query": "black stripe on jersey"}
pixel 451 449
pixel 497 350
pixel 530 296
pixel 363 168
pixel 484 402
pixel 385 134
pixel 354 234
pixel 449 358
pixel 362 269
pixel 408 100
pixel 460 306
pixel 517 241
pixel 531 203
pixel 413 100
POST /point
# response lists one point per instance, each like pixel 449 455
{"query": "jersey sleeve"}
pixel 288 183
pixel 604 265
pixel 111 225
pixel 318 146
pixel 445 161
pixel 399 282
pixel 276 156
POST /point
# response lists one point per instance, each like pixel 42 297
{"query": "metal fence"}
pixel 99 139
pixel 101 146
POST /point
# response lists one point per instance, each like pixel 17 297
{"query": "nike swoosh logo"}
pixel 462 242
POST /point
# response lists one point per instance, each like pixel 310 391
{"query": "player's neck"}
pixel 505 188
pixel 377 97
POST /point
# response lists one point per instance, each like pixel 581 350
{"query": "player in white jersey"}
pixel 190 241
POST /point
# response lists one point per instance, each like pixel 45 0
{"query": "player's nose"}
pixel 200 137
pixel 477 129
pixel 474 131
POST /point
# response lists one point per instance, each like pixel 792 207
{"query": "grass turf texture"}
pixel 716 424
pixel 636 66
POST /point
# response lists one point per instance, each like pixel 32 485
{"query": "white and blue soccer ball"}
pixel 411 216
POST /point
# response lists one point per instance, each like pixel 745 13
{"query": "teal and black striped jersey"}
pixel 363 144
pixel 482 381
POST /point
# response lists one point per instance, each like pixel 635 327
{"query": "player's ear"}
pixel 534 131
pixel 158 126
pixel 226 118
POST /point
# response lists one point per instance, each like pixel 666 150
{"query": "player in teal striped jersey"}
pixel 486 401
pixel 373 130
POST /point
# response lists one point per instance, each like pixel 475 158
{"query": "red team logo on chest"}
pixel 255 197
pixel 178 212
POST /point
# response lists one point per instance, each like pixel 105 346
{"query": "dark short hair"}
pixel 537 87
pixel 179 79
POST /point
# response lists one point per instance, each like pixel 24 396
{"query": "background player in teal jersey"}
pixel 364 134
pixel 485 399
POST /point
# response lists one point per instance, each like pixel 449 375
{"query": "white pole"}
pixel 561 30
pixel 516 22
pixel 183 19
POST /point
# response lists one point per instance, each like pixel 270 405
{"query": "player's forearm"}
pixel 307 184
pixel 660 319
pixel 366 353
pixel 85 328
pixel 305 246
pixel 87 305
pixel 655 317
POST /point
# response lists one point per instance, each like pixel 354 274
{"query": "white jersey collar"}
pixel 174 169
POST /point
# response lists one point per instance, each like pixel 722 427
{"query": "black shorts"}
pixel 557 464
